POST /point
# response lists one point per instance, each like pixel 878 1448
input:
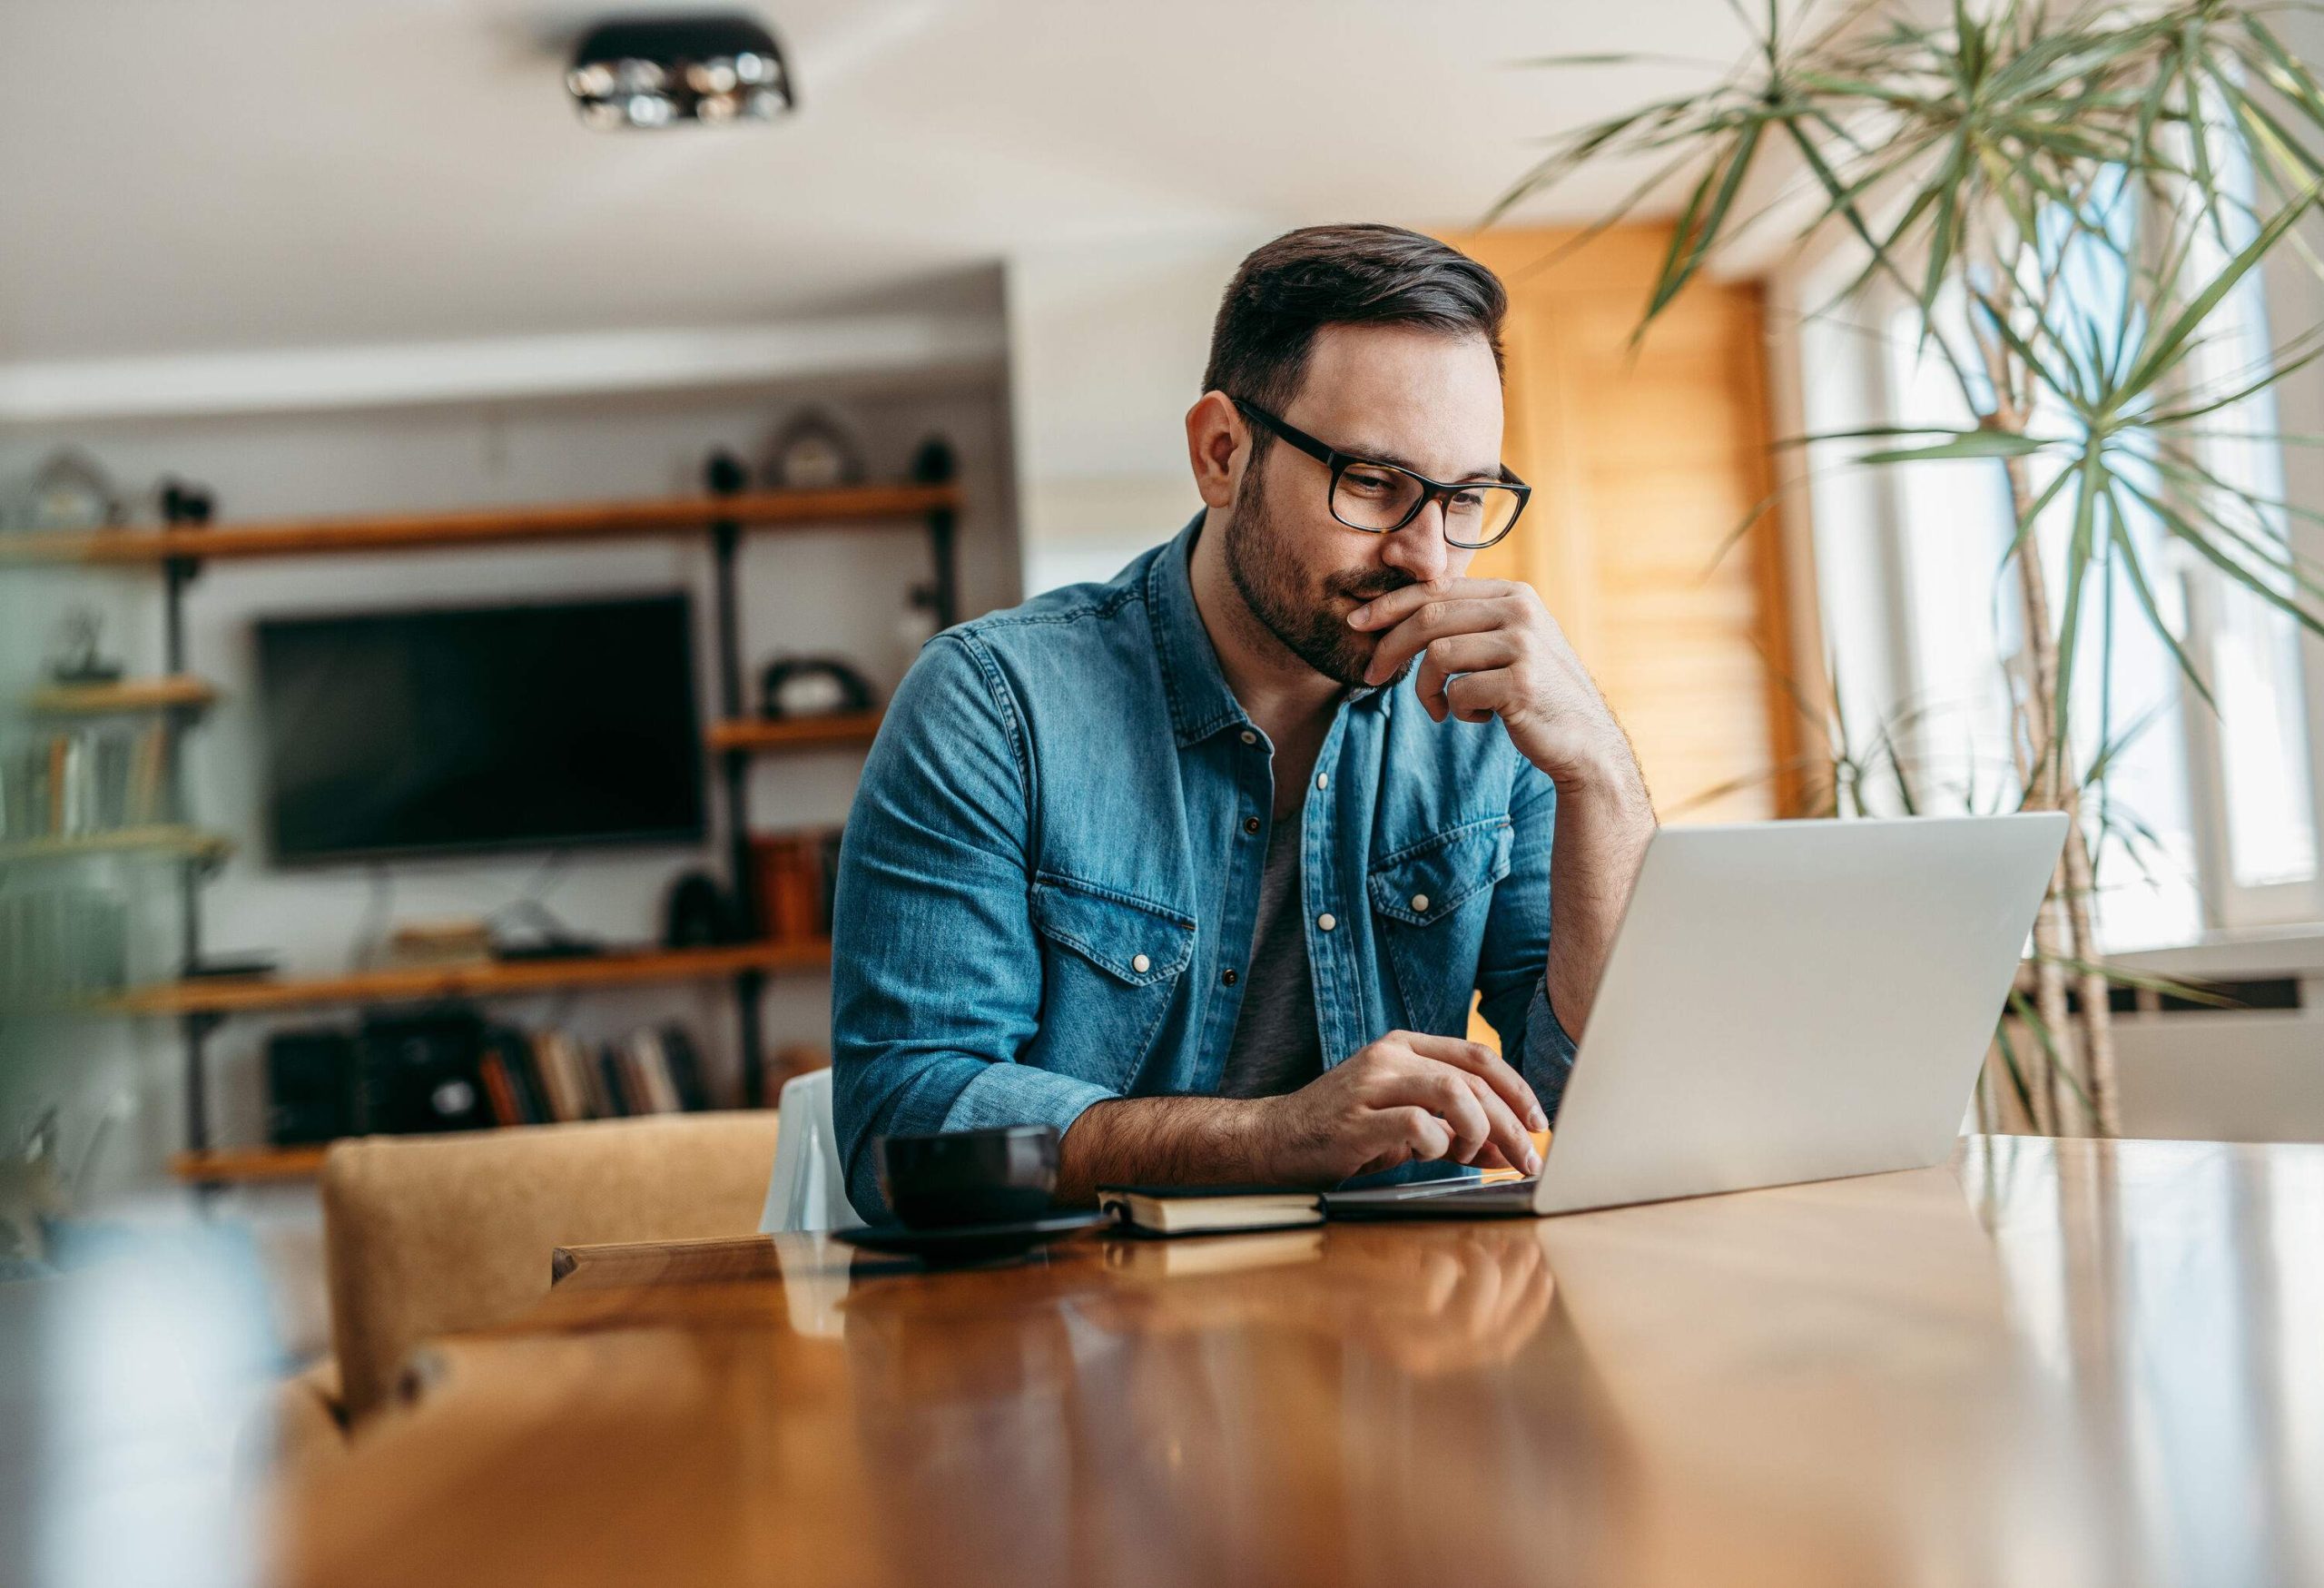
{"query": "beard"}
pixel 1309 617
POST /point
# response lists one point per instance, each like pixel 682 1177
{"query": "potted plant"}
pixel 1973 158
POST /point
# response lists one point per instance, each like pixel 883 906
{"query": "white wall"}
pixel 842 591
pixel 1106 343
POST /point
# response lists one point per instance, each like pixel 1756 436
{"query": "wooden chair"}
pixel 429 1235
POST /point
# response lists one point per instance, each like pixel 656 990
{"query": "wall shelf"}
pixel 180 553
pixel 498 978
pixel 129 695
pixel 570 521
pixel 810 733
pixel 183 842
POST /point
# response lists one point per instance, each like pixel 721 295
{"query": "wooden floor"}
pixel 2055 1364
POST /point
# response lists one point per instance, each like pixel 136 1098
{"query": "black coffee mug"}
pixel 995 1176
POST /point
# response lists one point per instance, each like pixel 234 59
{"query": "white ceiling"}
pixel 181 176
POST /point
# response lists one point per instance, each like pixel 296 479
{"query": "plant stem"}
pixel 2049 789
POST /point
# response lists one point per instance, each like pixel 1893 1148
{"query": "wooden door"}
pixel 1644 460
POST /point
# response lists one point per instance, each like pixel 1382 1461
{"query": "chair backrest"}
pixel 430 1235
pixel 808 1193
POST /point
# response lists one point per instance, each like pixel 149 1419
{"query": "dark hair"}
pixel 1289 289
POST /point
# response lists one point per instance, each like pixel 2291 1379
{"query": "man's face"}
pixel 1395 394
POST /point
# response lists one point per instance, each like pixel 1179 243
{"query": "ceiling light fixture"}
pixel 660 70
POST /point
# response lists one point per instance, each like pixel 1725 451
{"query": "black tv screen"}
pixel 481 728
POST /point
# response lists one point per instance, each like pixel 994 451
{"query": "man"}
pixel 1203 865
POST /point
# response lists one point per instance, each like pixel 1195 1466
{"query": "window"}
pixel 2206 819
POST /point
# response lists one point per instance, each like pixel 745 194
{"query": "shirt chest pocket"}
pixel 1110 968
pixel 1430 902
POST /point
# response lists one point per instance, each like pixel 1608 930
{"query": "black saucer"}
pixel 968 1243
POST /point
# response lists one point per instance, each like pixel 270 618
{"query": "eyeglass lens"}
pixel 1378 497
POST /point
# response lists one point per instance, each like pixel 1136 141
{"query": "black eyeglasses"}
pixel 1380 498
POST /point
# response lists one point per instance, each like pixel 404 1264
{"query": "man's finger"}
pixel 1436 622
pixel 1461 652
pixel 1513 1142
pixel 1481 1060
pixel 1403 601
pixel 1474 696
pixel 1449 1092
pixel 1421 1132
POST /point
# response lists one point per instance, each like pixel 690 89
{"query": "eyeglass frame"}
pixel 1431 490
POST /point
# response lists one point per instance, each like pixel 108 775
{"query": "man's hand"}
pixel 1407 1096
pixel 1488 647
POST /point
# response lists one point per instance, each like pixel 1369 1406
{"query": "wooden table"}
pixel 2053 1364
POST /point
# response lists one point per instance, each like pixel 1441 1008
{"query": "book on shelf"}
pixel 1208 1209
pixel 499 1088
pixel 565 1083
pixel 609 1101
pixel 83 782
pixel 686 1069
pixel 512 1081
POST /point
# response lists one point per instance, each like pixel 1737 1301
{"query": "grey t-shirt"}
pixel 1276 1048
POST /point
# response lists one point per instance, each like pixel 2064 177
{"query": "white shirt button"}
pixel 1419 903
pixel 1327 921
pixel 1249 737
pixel 1323 780
pixel 1140 963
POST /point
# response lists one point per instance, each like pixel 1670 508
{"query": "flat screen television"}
pixel 481 728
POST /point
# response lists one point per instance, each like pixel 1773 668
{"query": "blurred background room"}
pixel 414 396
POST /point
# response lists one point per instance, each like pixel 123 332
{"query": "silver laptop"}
pixel 1785 1001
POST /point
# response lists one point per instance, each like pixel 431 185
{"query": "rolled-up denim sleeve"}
pixel 1512 971
pixel 936 982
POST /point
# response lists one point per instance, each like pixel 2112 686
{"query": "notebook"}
pixel 1201 1210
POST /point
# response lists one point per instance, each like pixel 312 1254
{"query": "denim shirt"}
pixel 1051 870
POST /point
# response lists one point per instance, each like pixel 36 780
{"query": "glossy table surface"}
pixel 2052 1364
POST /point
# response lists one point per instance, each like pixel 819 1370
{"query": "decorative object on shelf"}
pixel 78 658
pixel 311 1094
pixel 419 1073
pixel 935 462
pixel 70 491
pixel 186 506
pixel 700 913
pixel 543 935
pixel 61 944
pixel 934 603
pixel 724 474
pixel 791 874
pixel 421 944
pixel 648 71
pixel 248 965
pixel 809 686
pixel 814 452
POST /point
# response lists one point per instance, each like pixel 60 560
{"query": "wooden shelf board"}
pixel 569 521
pixel 224 1164
pixel 854 727
pixel 225 995
pixel 190 841
pixel 128 694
